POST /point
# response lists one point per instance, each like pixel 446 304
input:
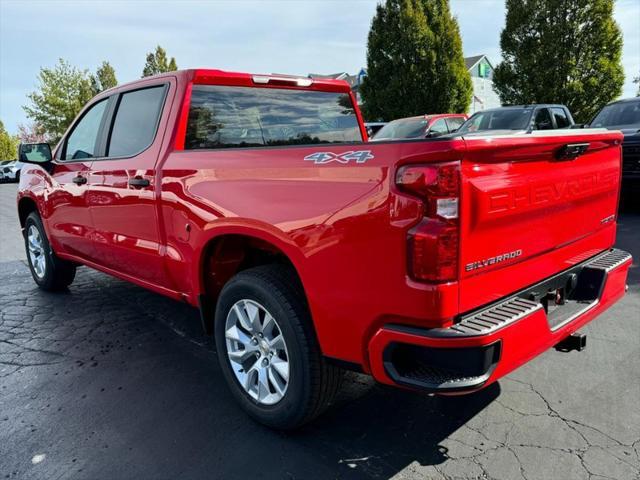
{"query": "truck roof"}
pixel 207 76
pixel 531 105
pixel 430 116
pixel 625 100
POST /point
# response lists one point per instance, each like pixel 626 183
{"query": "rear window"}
pixel 506 119
pixel 403 128
pixel 228 117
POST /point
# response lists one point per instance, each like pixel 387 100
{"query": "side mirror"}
pixel 38 153
pixel 434 134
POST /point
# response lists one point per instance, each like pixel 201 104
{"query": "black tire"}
pixel 313 383
pixel 58 273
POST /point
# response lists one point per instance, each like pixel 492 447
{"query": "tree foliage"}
pixel 62 92
pixel 31 133
pixel 158 62
pixel 415 63
pixel 560 51
pixel 8 144
pixel 104 78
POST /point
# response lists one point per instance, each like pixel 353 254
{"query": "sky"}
pixel 285 36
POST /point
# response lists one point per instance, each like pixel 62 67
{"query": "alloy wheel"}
pixel 35 246
pixel 257 352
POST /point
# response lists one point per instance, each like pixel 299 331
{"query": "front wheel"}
pixel 48 271
pixel 268 351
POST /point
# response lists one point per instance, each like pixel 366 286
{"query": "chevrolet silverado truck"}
pixel 438 264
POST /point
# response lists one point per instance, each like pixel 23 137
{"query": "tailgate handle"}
pixel 571 151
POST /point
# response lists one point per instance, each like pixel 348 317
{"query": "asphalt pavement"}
pixel 109 381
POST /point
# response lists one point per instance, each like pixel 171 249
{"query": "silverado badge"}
pixel 492 260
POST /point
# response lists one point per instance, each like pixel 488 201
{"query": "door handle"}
pixel 79 180
pixel 139 182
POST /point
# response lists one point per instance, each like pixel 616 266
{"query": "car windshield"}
pixel 504 119
pixel 618 114
pixel 403 128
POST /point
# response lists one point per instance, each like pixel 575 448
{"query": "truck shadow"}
pixel 387 430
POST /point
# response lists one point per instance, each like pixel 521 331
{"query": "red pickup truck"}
pixel 433 264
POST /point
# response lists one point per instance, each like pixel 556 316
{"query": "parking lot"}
pixel 111 381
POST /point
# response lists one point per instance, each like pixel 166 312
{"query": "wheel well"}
pixel 25 207
pixel 229 254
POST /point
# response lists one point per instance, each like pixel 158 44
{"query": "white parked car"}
pixel 10 171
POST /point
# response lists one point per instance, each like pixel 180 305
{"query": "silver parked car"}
pixel 10 171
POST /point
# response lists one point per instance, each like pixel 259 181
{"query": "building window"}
pixel 484 70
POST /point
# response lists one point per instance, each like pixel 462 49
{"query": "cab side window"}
pixel 136 121
pixel 82 142
pixel 543 120
pixel 562 120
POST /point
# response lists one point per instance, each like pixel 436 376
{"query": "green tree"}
pixel 560 51
pixel 104 78
pixel 62 92
pixel 8 144
pixel 636 80
pixel 157 62
pixel 414 61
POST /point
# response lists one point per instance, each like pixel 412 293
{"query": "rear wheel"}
pixel 268 351
pixel 48 271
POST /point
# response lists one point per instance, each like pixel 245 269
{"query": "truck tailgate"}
pixel 533 205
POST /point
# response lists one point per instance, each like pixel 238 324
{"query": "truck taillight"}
pixel 433 243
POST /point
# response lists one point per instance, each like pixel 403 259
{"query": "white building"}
pixel 484 96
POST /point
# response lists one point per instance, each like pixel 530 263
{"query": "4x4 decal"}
pixel 321 158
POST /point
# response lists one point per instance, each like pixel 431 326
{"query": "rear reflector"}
pixel 433 251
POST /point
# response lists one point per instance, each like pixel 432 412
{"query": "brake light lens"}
pixel 433 243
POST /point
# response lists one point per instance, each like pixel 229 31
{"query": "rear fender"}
pixel 258 230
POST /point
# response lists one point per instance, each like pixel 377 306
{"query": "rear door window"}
pixel 228 117
pixel 561 118
pixel 82 142
pixel 136 121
